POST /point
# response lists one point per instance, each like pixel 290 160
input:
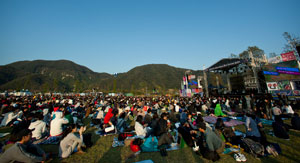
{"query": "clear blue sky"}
pixel 115 36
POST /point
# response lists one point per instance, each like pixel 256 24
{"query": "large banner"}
pixel 282 71
pixel 288 56
pixel 272 86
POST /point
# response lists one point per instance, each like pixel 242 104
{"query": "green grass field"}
pixel 102 151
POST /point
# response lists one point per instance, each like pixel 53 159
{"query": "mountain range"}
pixel 67 76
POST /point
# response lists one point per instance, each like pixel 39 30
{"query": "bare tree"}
pixel 272 55
pixel 292 42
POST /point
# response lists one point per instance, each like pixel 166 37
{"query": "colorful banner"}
pixel 288 56
pixel 287 69
pixel 276 59
pixel 272 86
pixel 281 71
pixel 192 77
pixel 289 72
pixel 271 73
pixel 284 85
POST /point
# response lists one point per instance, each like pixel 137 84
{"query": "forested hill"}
pixel 67 76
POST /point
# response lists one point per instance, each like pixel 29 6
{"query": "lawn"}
pixel 102 151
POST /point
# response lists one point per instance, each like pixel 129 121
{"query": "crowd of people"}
pixel 57 119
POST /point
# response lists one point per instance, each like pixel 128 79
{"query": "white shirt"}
pixel 289 110
pixel 56 126
pixel 177 108
pixel 39 128
pixel 7 118
pixel 58 114
pixel 140 130
pixel 204 107
pixel 100 115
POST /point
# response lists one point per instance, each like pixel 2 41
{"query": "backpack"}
pixel 252 147
pixel 87 139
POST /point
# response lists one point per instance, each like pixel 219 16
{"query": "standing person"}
pixel 295 121
pixel 276 110
pixel 280 129
pixel 268 109
pixel 71 142
pixel 23 150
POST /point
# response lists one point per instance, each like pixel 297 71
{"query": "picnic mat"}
pixel 230 123
pixel 233 123
pixel 266 122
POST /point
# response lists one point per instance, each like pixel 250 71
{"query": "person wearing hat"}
pixel 23 150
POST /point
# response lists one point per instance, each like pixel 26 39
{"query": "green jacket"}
pixel 218 111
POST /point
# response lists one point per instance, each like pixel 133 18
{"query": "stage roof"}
pixel 226 64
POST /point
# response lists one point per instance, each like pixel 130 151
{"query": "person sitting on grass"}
pixel 280 129
pixel 71 142
pixel 161 131
pixel 214 144
pixel 56 130
pixel 39 126
pixel 140 128
pixel 252 131
pixel 218 111
pixel 23 150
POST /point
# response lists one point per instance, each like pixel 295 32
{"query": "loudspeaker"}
pixel 298 49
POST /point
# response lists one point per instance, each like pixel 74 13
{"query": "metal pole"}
pixel 253 65
pixel 205 82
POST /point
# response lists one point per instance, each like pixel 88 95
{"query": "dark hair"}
pixel 149 111
pixel 122 115
pixel 163 115
pixel 155 116
pixel 39 116
pixel 69 130
pixel 199 119
pixel 115 111
pixel 219 124
pixel 201 125
pixel 137 141
pixel 139 119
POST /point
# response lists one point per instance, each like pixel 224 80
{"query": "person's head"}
pixel 155 116
pixel 164 116
pixel 24 135
pixel 199 119
pixel 149 111
pixel 139 119
pixel 74 127
pixel 201 126
pixel 219 124
pixel 39 116
pixel 122 115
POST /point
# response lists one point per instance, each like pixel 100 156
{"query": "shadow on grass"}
pixel 113 155
pixel 291 158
